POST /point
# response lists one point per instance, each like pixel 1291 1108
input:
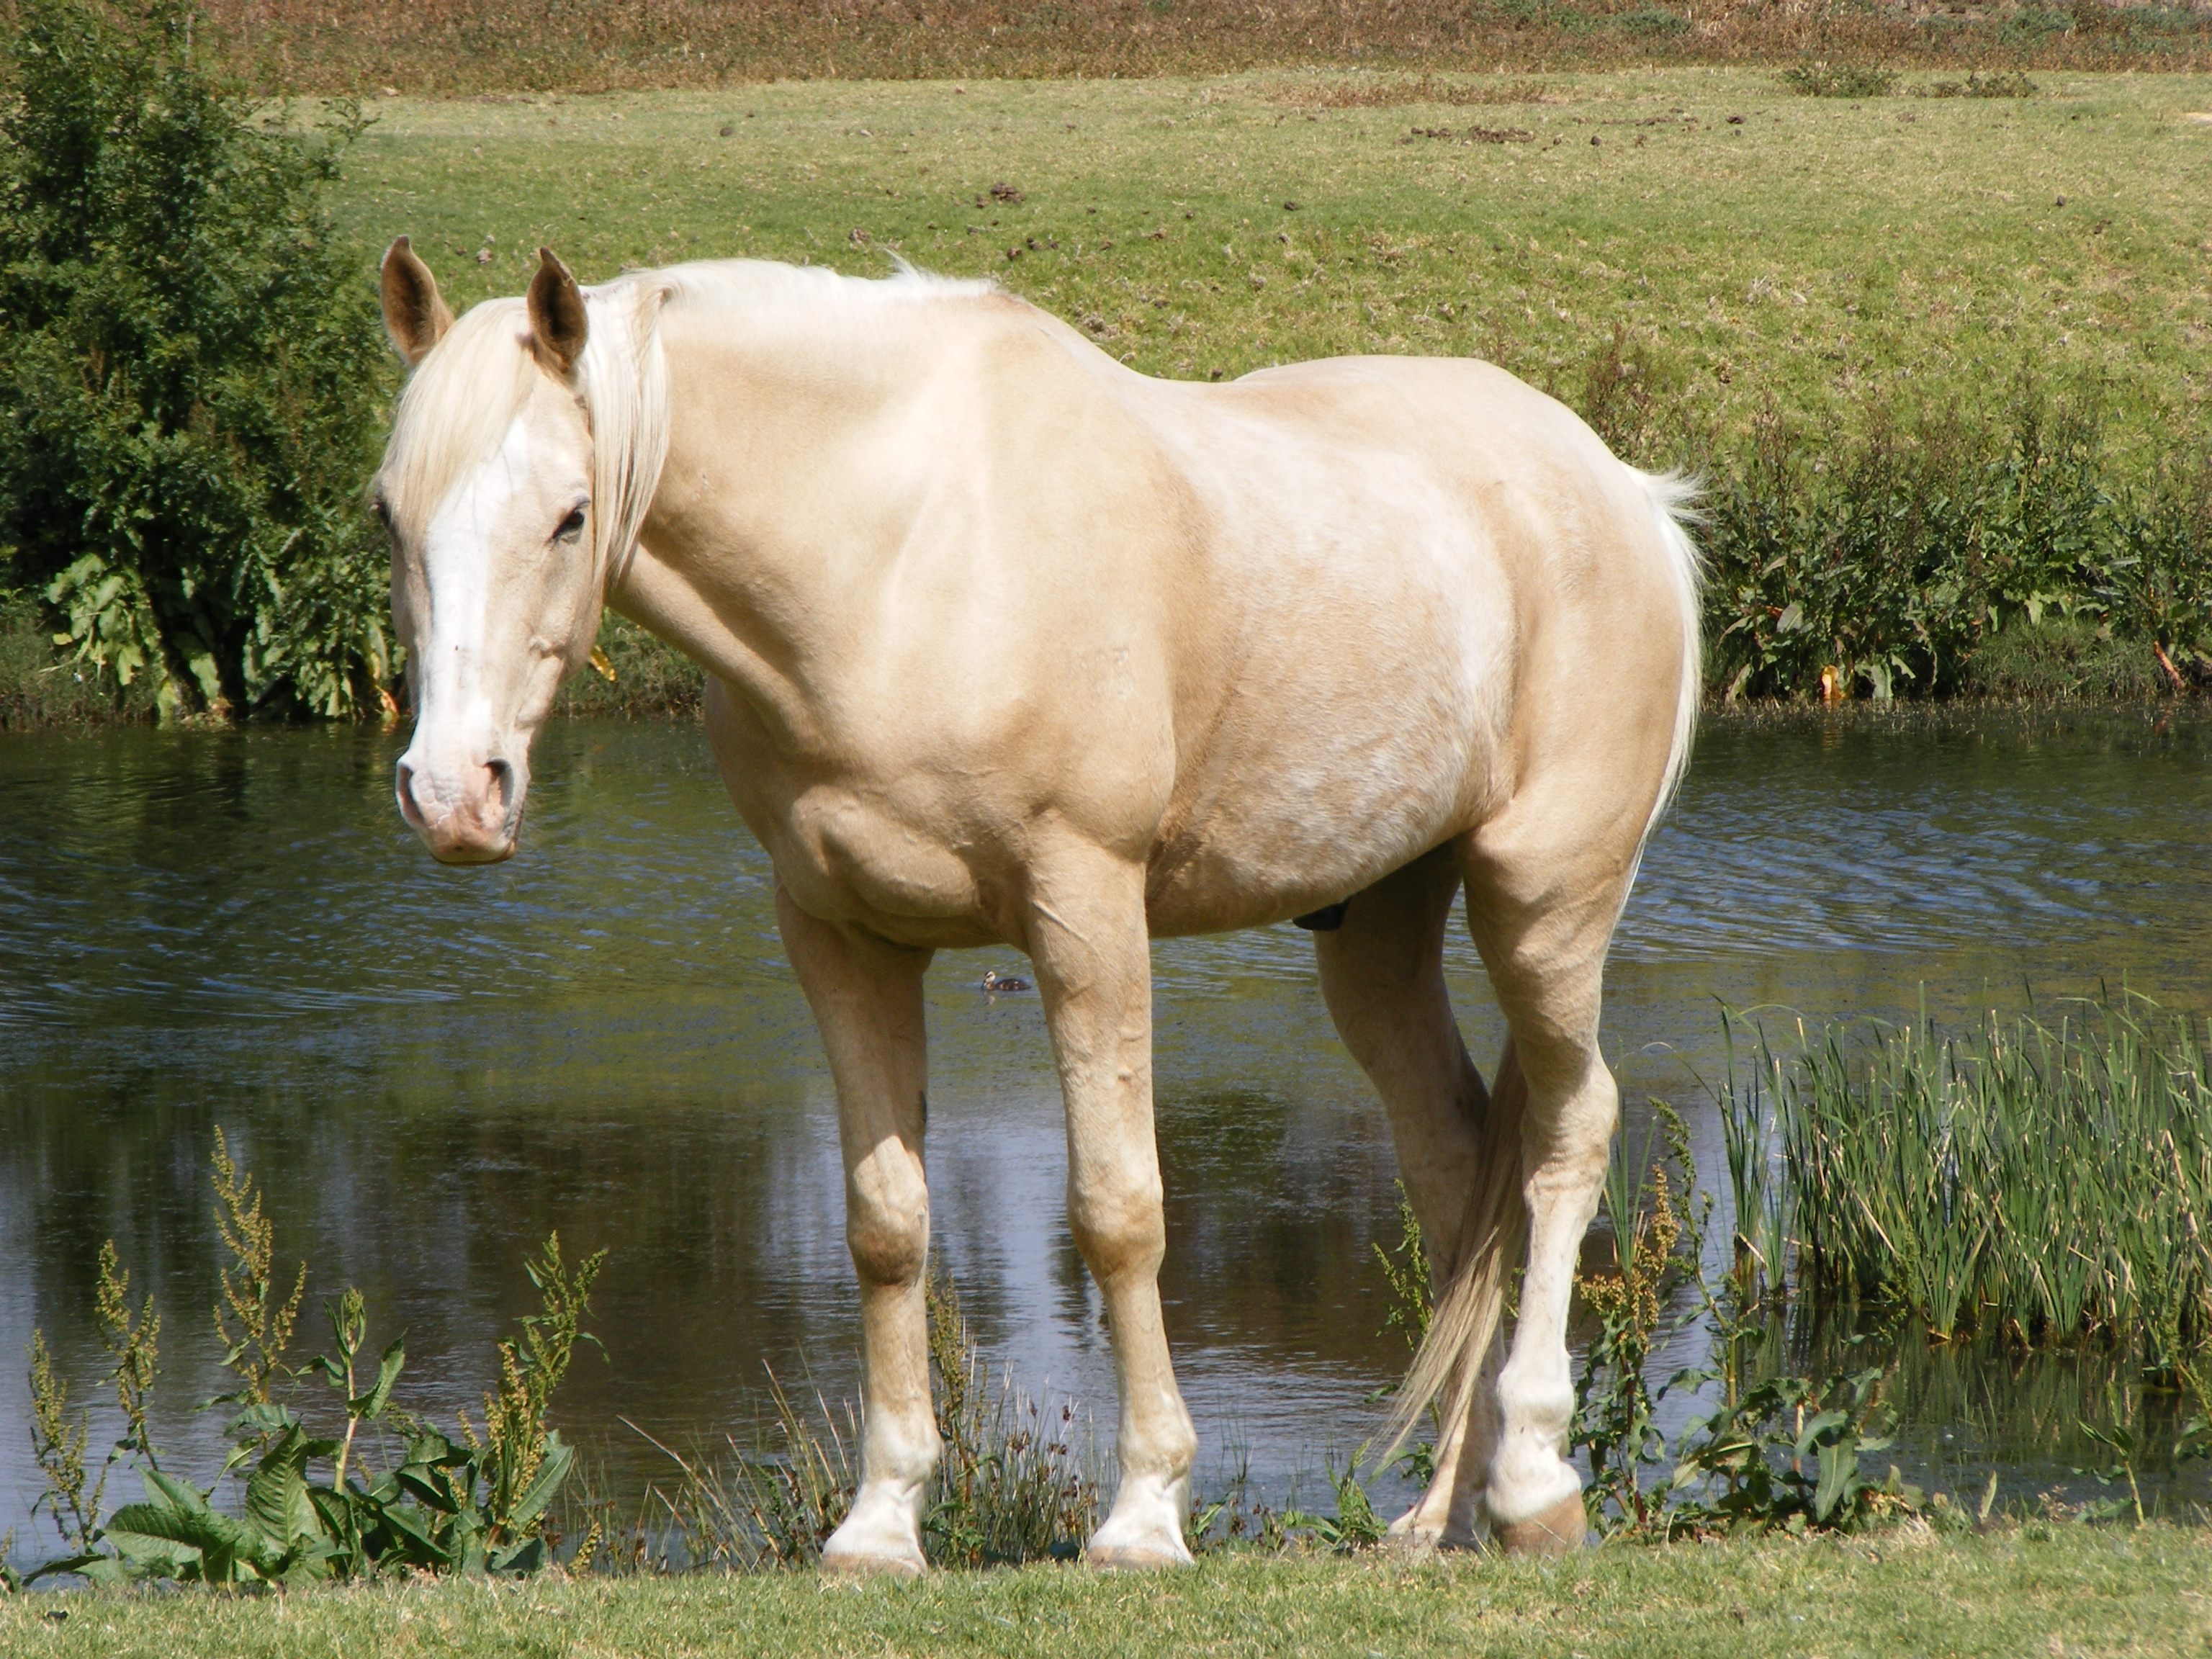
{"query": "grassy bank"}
pixel 476 45
pixel 1939 357
pixel 44 689
pixel 2040 1589
pixel 1762 251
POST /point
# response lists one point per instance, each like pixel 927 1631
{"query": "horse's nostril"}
pixel 403 788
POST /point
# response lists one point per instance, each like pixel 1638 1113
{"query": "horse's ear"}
pixel 415 314
pixel 557 323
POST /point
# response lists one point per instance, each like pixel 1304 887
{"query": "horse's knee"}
pixel 887 1218
pixel 1119 1227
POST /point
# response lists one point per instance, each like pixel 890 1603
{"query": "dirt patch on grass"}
pixel 1384 92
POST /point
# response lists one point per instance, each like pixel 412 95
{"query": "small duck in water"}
pixel 992 984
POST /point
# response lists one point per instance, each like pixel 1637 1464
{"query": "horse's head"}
pixel 498 565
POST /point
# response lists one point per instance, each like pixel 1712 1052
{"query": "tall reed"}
pixel 2050 1183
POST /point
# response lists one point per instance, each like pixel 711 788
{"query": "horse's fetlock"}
pixel 1542 1406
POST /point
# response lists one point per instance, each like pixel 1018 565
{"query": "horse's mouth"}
pixel 466 814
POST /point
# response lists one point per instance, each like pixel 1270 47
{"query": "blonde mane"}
pixel 459 403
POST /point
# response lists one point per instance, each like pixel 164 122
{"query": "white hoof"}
pixel 1144 1531
pixel 1530 1478
pixel 1416 1528
pixel 882 1533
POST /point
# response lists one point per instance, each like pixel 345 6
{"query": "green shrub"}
pixel 1893 560
pixel 191 373
pixel 1839 80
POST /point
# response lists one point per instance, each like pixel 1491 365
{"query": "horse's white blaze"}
pixel 1006 643
pixel 460 782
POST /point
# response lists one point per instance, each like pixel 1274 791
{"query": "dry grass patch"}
pixel 495 45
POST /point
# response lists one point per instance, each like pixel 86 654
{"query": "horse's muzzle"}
pixel 464 812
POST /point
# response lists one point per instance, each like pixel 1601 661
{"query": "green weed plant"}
pixel 476 1507
pixel 1824 80
pixel 1015 1480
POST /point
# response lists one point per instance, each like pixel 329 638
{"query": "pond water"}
pixel 430 1069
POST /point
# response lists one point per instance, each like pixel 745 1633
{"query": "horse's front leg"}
pixel 866 993
pixel 1088 939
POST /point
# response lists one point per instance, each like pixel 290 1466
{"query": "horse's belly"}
pixel 1292 828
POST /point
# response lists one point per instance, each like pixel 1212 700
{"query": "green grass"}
pixel 1940 356
pixel 2044 1589
pixel 1822 257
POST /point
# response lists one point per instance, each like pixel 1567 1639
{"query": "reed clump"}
pixel 2048 1182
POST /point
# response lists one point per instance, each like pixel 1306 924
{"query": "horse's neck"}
pixel 793 457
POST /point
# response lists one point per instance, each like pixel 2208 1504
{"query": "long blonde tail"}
pixel 1492 1239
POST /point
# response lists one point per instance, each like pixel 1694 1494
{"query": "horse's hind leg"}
pixel 1382 975
pixel 1545 885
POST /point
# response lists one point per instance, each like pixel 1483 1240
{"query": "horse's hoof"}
pixel 1144 1531
pixel 1559 1530
pixel 1413 1544
pixel 1132 1557
pixel 853 1563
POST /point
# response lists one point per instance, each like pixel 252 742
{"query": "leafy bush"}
pixel 1891 561
pixel 190 372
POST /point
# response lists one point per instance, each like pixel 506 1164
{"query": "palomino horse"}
pixel 1007 644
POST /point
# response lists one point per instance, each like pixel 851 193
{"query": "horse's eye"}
pixel 382 508
pixel 571 526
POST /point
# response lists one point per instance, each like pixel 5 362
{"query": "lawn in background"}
pixel 1744 249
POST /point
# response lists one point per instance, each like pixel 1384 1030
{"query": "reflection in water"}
pixel 432 1068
